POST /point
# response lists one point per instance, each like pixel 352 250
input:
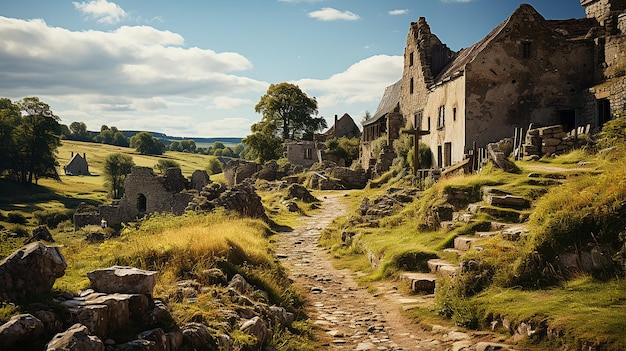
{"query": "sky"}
pixel 197 68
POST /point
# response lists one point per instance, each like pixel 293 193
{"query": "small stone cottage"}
pixel 77 165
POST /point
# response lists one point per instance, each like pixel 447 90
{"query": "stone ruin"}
pixel 145 193
pixel 119 313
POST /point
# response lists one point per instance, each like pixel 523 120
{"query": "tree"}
pixel 214 166
pixel 163 165
pixel 9 120
pixel 289 112
pixel 79 131
pixel 116 167
pixel 37 139
pixel 146 144
pixel 343 148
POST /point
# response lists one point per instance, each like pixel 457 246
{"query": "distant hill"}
pixel 166 139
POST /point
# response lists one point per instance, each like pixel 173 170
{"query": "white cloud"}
pixel 331 14
pixel 398 12
pixel 226 102
pixel 135 62
pixel 102 11
pixel 363 82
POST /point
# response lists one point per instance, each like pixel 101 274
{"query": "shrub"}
pixel 163 165
pixel 16 218
pixel 613 132
pixel 214 166
pixel 20 231
pixel 52 218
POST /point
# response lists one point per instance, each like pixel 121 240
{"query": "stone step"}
pixel 462 217
pixel 455 251
pixel 487 234
pixel 514 233
pixel 464 243
pixel 447 225
pixel 442 267
pixel 420 282
pixel 497 226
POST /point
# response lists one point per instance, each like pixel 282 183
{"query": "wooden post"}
pixel 416 133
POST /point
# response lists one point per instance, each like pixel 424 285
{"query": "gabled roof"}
pixel 76 158
pixel 388 103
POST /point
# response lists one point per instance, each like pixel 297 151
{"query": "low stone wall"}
pixel 551 141
pixel 351 179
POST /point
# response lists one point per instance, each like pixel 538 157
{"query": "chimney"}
pixel 335 119
pixel 72 154
pixel 84 156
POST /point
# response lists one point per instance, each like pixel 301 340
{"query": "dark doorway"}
pixel 604 111
pixel 568 119
pixel 439 157
pixel 141 203
pixel 447 151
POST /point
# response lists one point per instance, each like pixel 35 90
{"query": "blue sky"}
pixel 197 68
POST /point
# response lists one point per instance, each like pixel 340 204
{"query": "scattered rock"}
pixel 30 271
pixel 40 233
pixel 122 279
pixel 256 327
pixel 20 329
pixel 76 338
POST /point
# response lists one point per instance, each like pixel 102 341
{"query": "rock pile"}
pixel 242 199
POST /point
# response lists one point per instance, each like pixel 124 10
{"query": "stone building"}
pixel 145 192
pixel 77 165
pixel 308 152
pixel 527 70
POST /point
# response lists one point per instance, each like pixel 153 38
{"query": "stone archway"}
pixel 141 203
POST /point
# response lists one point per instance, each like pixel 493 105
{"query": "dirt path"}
pixel 350 317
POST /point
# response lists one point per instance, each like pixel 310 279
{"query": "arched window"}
pixel 141 203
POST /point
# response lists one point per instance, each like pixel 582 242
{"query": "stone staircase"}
pixel 425 283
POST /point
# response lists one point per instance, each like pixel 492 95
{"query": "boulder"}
pixel 196 336
pixel 281 316
pixel 300 192
pixel 256 327
pixel 124 280
pixel 240 285
pixel 20 329
pixel 30 271
pixel 40 233
pixel 76 338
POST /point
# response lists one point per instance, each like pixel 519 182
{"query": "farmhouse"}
pixel 77 165
pixel 527 70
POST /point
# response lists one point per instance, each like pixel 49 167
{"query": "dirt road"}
pixel 351 317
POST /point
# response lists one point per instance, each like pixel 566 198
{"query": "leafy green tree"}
pixel 263 147
pixel 119 139
pixel 344 148
pixel 188 146
pixel 79 131
pixel 174 146
pixel 288 112
pixel 116 167
pixel 9 120
pixel 218 145
pixel 214 166
pixel 37 139
pixel 163 165
pixel 146 144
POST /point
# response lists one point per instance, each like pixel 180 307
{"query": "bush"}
pixel 16 218
pixel 52 218
pixel 20 231
pixel 613 132
pixel 214 166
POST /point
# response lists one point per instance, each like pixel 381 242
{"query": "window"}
pixel 141 203
pixel 410 59
pixel 527 49
pixel 454 113
pixel 441 118
pixel 417 120
pixel 308 154
pixel 447 154
pixel 428 123
pixel 411 86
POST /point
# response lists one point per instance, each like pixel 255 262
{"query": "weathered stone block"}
pixel 125 280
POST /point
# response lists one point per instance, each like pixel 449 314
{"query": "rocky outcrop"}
pixel 125 280
pixel 20 329
pixel 40 233
pixel 76 338
pixel 30 271
pixel 297 191
pixel 242 199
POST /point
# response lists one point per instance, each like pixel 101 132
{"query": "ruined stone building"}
pixel 308 152
pixel 145 192
pixel 77 165
pixel 527 70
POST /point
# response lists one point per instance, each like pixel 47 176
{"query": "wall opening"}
pixel 604 111
pixel 141 203
pixel 568 119
pixel 447 153
pixel 439 156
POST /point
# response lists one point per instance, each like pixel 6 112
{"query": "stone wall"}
pixel 351 179
pixel 236 171
pixel 551 140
